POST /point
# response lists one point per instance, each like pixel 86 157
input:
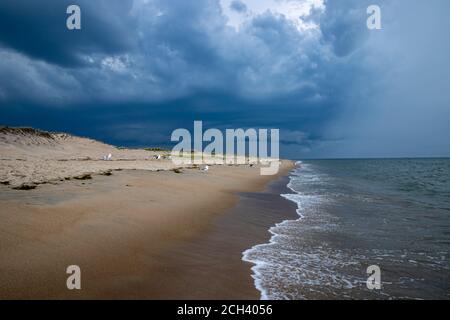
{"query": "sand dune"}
pixel 29 157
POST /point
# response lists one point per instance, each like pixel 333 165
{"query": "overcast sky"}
pixel 140 69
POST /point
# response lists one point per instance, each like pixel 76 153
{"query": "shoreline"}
pixel 120 230
pixel 218 254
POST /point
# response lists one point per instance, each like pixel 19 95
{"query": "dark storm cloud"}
pixel 37 29
pixel 139 69
pixel 343 25
pixel 156 50
pixel 396 104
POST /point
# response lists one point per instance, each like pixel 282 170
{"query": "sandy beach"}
pixel 127 230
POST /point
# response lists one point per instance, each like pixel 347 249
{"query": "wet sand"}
pixel 135 234
pixel 210 266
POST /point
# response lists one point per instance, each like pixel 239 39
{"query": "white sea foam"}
pixel 281 268
pixel 325 252
pixel 251 255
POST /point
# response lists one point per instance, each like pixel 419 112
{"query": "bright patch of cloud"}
pixel 295 11
pixel 116 64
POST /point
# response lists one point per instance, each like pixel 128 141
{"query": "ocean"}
pixel 352 214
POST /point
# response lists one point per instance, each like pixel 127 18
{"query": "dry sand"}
pixel 117 228
pixel 29 157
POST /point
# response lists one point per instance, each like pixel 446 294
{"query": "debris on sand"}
pixel 25 186
pixel 85 176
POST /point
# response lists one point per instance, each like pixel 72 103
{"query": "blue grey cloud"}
pixel 238 6
pixel 144 68
pixel 396 104
pixel 37 29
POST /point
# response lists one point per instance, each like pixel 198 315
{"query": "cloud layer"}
pixel 139 69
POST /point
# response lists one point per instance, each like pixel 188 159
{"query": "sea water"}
pixel 353 214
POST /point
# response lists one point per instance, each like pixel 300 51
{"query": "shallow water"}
pixel 353 214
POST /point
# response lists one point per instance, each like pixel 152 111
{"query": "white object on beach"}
pixel 158 156
pixel 204 167
pixel 109 157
